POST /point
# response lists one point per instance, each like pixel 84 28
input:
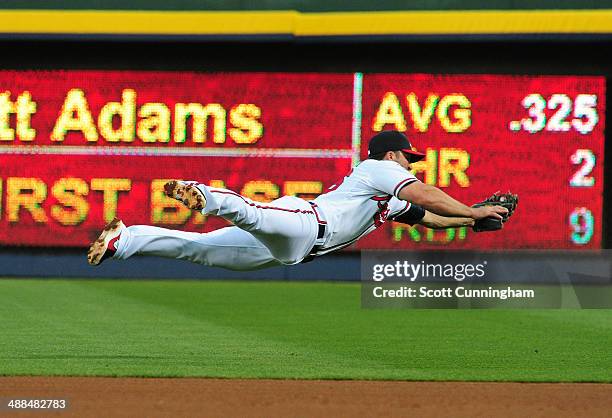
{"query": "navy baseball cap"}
pixel 393 141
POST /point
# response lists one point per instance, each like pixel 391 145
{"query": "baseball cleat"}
pixel 104 246
pixel 187 193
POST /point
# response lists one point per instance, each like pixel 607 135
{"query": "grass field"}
pixel 284 330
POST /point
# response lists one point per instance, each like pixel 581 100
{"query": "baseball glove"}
pixel 506 200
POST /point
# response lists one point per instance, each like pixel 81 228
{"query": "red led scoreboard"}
pixel 80 147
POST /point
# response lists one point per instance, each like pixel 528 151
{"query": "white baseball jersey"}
pixel 363 201
pixel 284 231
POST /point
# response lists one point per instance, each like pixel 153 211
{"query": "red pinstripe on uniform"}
pixel 260 206
pixel 402 184
pixel 319 220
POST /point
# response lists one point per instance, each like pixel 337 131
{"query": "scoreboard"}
pixel 540 137
pixel 80 147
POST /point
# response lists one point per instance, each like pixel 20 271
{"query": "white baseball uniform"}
pixel 285 231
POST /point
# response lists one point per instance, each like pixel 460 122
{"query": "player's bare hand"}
pixel 489 212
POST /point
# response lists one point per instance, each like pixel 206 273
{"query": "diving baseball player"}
pixel 291 230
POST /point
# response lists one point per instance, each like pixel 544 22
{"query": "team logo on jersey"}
pixel 381 216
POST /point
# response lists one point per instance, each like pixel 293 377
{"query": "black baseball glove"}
pixel 506 200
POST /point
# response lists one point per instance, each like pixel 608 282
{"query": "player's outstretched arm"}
pixel 431 220
pixel 418 215
pixel 438 202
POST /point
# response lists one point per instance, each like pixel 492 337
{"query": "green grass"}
pixel 284 330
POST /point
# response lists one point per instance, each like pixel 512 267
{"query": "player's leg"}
pixel 230 248
pixel 287 226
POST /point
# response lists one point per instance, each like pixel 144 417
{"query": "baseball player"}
pixel 291 230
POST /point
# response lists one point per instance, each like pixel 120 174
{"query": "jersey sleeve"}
pixel 389 177
pixel 397 207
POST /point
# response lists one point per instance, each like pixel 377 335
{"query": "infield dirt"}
pixel 170 397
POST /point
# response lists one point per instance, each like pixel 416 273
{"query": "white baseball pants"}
pixel 265 234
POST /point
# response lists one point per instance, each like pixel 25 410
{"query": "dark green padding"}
pixel 308 6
